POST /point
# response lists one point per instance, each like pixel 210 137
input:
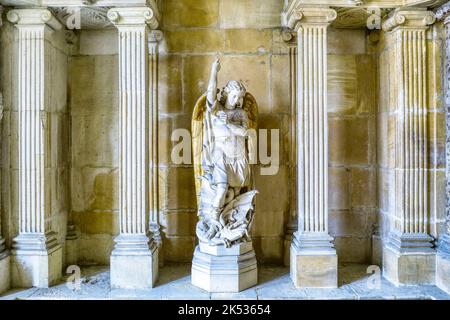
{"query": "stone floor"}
pixel 274 283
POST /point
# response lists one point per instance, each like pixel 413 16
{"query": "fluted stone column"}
pixel 36 254
pixel 408 255
pixel 155 37
pixel 134 260
pixel 443 252
pixel 290 38
pixel 313 257
pixel 4 254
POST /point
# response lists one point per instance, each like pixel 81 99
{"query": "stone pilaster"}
pixel 4 253
pixel 72 234
pixel 290 38
pixel 313 257
pixel 443 252
pixel 134 260
pixel 37 255
pixel 408 255
pixel 155 37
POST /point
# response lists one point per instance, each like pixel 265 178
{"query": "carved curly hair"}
pixel 232 85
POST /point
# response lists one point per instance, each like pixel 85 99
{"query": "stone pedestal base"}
pixel 36 261
pixel 134 263
pixel 220 269
pixel 443 271
pixel 313 267
pixel 409 268
pixel 4 271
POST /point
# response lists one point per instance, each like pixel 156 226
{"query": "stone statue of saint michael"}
pixel 223 124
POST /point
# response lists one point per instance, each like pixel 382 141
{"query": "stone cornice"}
pixel 354 9
pixel 78 3
pixel 22 17
pixel 412 18
pixel 311 16
pixel 443 13
pixel 133 16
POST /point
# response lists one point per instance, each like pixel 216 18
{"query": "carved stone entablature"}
pixel 89 17
pixel 78 3
pixel 443 13
pixel 360 17
pixel 409 18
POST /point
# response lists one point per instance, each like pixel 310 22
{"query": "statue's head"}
pixel 233 94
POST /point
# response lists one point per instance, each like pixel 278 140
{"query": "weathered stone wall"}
pixel 352 103
pixel 57 160
pixel 93 83
pixel 388 83
pixel 247 37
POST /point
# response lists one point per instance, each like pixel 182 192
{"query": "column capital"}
pixel 443 13
pixel 133 16
pixel 33 17
pixel 155 36
pixel 289 37
pixel 310 16
pixel 413 18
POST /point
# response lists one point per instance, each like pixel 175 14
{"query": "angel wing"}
pixel 198 140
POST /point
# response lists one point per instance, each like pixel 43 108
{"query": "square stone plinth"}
pixel 226 272
pixel 134 271
pixel 4 272
pixel 403 268
pixel 36 268
pixel 443 271
pixel 314 270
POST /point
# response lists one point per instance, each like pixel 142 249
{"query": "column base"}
pixel 134 262
pixel 409 267
pixel 4 268
pixel 221 269
pixel 314 262
pixel 443 264
pixel 36 260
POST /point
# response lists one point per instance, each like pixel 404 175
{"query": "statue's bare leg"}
pixel 219 199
